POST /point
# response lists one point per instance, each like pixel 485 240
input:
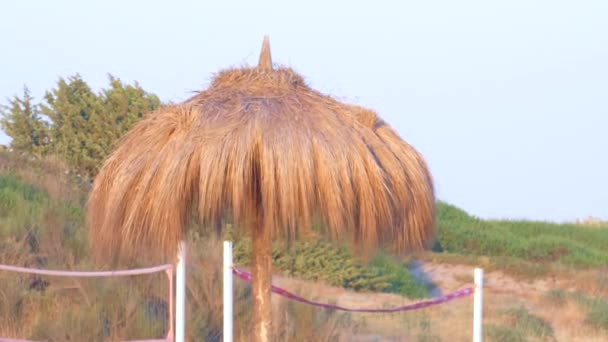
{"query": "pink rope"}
pixel 118 273
pixel 168 339
pixel 167 268
pixel 435 301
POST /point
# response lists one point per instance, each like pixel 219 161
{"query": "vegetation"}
pixel 528 323
pixel 520 325
pixel 517 241
pixel 74 123
pixel 502 333
pixel 597 314
pixel 320 261
pixel 22 122
pixel 596 309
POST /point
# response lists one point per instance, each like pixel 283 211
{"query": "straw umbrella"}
pixel 263 147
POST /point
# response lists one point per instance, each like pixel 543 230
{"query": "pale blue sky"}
pixel 507 100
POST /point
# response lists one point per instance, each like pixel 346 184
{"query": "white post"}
pixel 228 300
pixel 180 294
pixel 478 305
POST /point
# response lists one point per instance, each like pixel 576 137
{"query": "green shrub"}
pixel 320 261
pixel 397 275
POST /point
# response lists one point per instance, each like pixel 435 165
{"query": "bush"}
pixel 319 261
pixel 75 123
pixel 401 281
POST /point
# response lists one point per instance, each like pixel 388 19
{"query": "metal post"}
pixel 228 292
pixel 478 306
pixel 180 294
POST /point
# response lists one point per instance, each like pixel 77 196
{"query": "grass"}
pixel 521 241
pixel 499 333
pixel 597 314
pixel 556 297
pixel 528 323
pixel 519 325
pixel 298 322
pixel 596 309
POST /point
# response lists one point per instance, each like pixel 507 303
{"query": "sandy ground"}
pixel 453 321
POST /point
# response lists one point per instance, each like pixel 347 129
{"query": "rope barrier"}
pixel 435 301
pixel 118 273
pixel 168 268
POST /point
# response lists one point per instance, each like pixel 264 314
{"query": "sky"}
pixel 506 100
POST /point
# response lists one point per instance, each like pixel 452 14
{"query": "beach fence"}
pixel 168 269
pixel 177 290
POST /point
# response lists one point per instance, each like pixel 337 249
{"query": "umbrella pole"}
pixel 261 283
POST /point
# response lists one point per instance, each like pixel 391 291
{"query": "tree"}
pixel 84 125
pixel 21 122
pixel 123 106
pixel 73 110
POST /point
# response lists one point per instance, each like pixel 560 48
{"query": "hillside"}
pixel 552 276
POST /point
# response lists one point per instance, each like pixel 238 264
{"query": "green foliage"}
pixel 82 127
pixel 540 242
pixel 21 121
pixel 27 212
pixel 22 206
pixel 76 113
pixel 320 261
pixel 396 274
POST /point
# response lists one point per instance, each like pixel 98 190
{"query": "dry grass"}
pixel 62 309
pixel 292 321
pixel 591 221
pixel 503 317
pixel 513 309
pixel 49 174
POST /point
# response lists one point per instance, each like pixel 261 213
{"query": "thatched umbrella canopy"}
pixel 263 147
